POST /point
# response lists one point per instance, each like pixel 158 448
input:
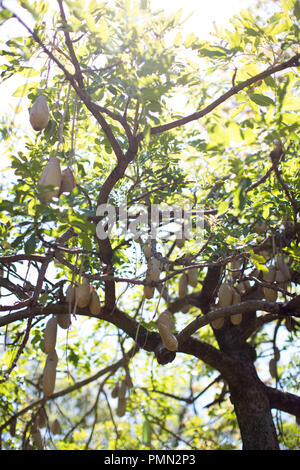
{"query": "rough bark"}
pixel 252 408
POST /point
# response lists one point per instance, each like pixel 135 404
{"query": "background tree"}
pixel 111 76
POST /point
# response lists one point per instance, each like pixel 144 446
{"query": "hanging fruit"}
pixel 192 275
pixel 50 335
pixel 42 418
pixel 164 324
pixel 49 374
pixel 39 113
pixel 115 390
pixel 182 285
pixel 70 295
pixel 225 295
pixel 236 319
pixel 94 303
pixel 55 427
pixel 236 299
pixel 270 294
pixel 218 323
pixel 82 294
pixel 51 176
pixel 269 276
pixel 64 320
pixel 283 267
pixel 67 181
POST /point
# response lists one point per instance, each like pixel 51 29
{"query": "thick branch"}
pixel 284 401
pixel 249 305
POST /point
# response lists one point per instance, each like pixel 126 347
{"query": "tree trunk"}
pixel 254 417
pixel 252 408
pixel 249 394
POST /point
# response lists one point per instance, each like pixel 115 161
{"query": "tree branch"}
pixel 109 369
pixel 284 401
pixel 70 46
pixel 293 62
pixel 92 107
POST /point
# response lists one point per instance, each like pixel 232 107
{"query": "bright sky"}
pixel 204 12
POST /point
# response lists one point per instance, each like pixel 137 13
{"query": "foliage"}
pixel 115 77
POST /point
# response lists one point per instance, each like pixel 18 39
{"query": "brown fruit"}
pixel 148 292
pixel 122 389
pixel 121 409
pixel 279 277
pixel 283 267
pixel 64 320
pixel 82 294
pixel 164 324
pixel 51 176
pixel 50 335
pixel 37 439
pixel 39 113
pixel 241 287
pixel 67 181
pixel 225 295
pixel 185 308
pixel 49 374
pixel 270 294
pixel 115 391
pixel 55 427
pixel 180 242
pixel 270 275
pixel 42 418
pixel 236 298
pixel 192 275
pixel 182 285
pixel 128 380
pixel 70 295
pixel 153 271
pixel 152 274
pixel 236 319
pixel 94 303
pixel 217 323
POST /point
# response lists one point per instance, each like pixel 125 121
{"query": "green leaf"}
pixel 191 38
pixel 297 10
pixel 178 40
pixel 222 208
pixel 270 82
pixel 287 5
pixel 214 52
pixel 23 89
pixel 261 100
pixel 28 72
pixel 5 15
pixel 30 244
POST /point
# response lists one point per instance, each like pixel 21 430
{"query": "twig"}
pixel 293 62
